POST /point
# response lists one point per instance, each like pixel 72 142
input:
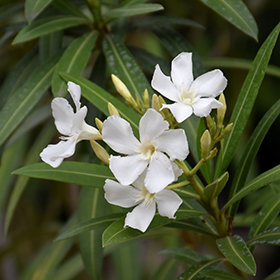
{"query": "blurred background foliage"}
pixel 45 205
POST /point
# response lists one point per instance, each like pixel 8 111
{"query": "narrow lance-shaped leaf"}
pixel 266 178
pixel 45 263
pixel 85 174
pixel 214 189
pixel 270 236
pixel 123 65
pixel 236 251
pixel 265 217
pixel 166 271
pixel 25 98
pixel 68 8
pixel 194 272
pixel 274 276
pixel 69 269
pixel 18 76
pixel 33 155
pixel 247 98
pixel 100 98
pixel 34 7
pixel 236 12
pixel 91 224
pixel 48 25
pixel 116 233
pixel 220 275
pixel 250 152
pixel 73 61
pixel 131 10
pixel 92 205
pixel 183 254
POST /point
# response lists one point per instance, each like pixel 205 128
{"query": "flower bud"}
pixel 221 111
pixel 121 87
pixel 225 131
pixel 211 125
pixel 100 152
pixel 155 103
pixel 146 99
pixel 99 124
pixel 112 109
pixel 205 143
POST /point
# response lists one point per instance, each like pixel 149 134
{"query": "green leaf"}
pixel 85 174
pixel 237 63
pixel 8 10
pixel 45 263
pixel 262 180
pixel 116 233
pixel 100 98
pixel 247 98
pixel 212 190
pixel 73 61
pixel 34 7
pixel 265 217
pixel 166 271
pixel 91 224
pixel 25 98
pixel 236 12
pixel 250 152
pixel 182 254
pixel 33 155
pixel 69 269
pixel 67 7
pixel 176 43
pixel 123 65
pixel 274 276
pixel 92 205
pixel 47 25
pixel 270 236
pixel 194 272
pixel 220 275
pixel 20 73
pixel 50 44
pixel 235 250
pixel 131 10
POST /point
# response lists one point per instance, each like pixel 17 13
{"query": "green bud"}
pixel 100 152
pixel 205 143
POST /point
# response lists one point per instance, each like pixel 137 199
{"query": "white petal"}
pixel 204 106
pixel 174 143
pixel 127 169
pixel 151 125
pixel 160 173
pixel 181 70
pixel 141 216
pixel 54 154
pixel 177 171
pixel 180 111
pixel 63 115
pixel 117 194
pixel 168 203
pixel 139 183
pixel 163 85
pixel 75 92
pixel 210 84
pixel 78 120
pixel 117 133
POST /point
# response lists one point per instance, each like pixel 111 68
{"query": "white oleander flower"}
pixel 190 96
pixel 71 125
pixel 156 142
pixel 167 202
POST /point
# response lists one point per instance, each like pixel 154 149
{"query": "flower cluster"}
pixel 145 167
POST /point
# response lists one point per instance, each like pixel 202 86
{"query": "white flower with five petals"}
pixel 71 125
pixel 190 96
pixel 156 142
pixel 167 202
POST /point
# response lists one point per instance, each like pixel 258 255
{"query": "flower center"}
pixel 188 97
pixel 146 197
pixel 147 150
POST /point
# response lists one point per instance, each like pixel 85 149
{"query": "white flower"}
pixel 190 96
pixel 71 125
pixel 167 202
pixel 150 153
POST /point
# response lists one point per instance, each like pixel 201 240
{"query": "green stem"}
pixel 178 185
